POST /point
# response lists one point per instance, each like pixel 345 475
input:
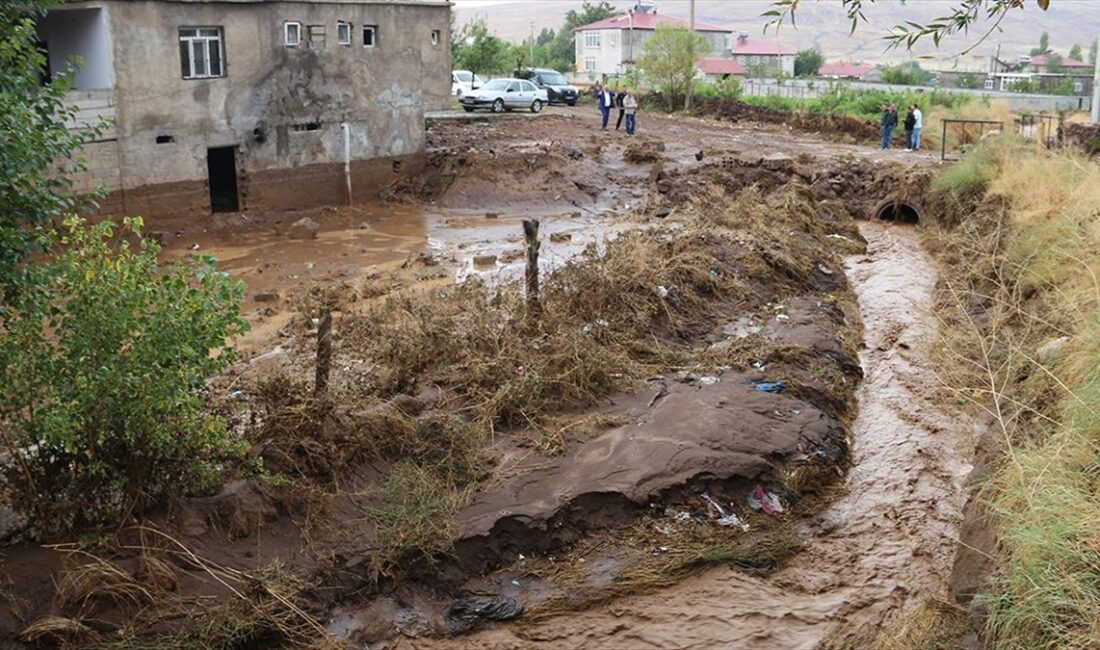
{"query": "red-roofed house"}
pixel 716 69
pixel 1040 63
pixel 611 46
pixel 772 55
pixel 846 70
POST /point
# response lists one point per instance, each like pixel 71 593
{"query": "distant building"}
pixel 611 46
pixel 847 70
pixel 750 53
pixel 717 69
pixel 1038 73
pixel 233 104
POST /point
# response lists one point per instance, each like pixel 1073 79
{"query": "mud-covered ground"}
pixel 620 501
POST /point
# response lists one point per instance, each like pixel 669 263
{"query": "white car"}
pixel 501 95
pixel 464 81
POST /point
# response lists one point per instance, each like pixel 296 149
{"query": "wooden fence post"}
pixel 531 236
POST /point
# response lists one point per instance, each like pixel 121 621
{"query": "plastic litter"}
pixel 708 381
pixel 768 386
pixel 462 614
pixel 726 518
pixel 662 291
pixel 763 501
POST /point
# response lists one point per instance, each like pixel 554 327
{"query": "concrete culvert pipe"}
pixel 898 211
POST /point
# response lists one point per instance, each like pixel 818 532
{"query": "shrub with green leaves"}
pixel 101 408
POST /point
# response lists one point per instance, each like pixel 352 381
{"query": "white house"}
pixel 611 46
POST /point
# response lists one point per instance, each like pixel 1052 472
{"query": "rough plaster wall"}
pixel 381 92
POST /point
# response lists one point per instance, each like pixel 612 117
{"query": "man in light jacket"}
pixel 918 124
pixel 630 107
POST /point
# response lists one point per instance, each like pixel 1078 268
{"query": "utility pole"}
pixel 691 80
pixel 1096 92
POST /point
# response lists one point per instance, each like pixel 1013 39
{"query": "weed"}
pixel 1021 271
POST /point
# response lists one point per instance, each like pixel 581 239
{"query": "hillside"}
pixel 823 24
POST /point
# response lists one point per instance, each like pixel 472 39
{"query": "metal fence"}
pixel 1044 129
pixel 964 132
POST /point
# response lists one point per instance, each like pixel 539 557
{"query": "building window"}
pixel 989 83
pixel 292 34
pixel 589 64
pixel 201 54
pixel 343 33
pixel 1078 86
pixel 591 39
pixel 435 37
pixel 370 35
pixel 727 42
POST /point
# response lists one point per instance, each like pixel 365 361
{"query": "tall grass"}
pixel 1023 263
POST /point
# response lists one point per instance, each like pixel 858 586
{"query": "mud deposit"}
pixel 684 398
pixel 873 554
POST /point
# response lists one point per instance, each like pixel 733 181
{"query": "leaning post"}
pixel 531 237
pixel 324 352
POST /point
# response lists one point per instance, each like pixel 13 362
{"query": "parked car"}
pixel 557 87
pixel 464 81
pixel 501 95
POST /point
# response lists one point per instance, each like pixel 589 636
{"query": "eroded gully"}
pixel 876 552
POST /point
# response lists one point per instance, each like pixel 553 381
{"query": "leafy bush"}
pixel 728 88
pixel 101 407
pixel 905 74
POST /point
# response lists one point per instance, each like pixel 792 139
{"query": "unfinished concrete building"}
pixel 245 104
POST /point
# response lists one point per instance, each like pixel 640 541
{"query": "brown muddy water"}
pixel 888 542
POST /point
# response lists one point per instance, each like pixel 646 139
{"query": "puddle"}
pixel 877 551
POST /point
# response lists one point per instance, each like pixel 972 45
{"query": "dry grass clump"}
pixel 935 624
pixel 1021 272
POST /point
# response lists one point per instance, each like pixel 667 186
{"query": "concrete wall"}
pixel 609 55
pixel 84 33
pixel 380 92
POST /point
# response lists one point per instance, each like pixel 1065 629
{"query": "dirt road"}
pixel 872 555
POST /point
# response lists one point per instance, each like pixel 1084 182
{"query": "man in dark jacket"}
pixel 619 102
pixel 606 99
pixel 889 123
pixel 910 122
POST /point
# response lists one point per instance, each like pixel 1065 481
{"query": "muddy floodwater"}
pixel 881 547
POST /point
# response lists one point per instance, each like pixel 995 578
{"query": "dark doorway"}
pixel 221 166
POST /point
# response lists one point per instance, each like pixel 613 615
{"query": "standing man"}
pixel 607 100
pixel 630 107
pixel 918 124
pixel 619 102
pixel 910 121
pixel 889 123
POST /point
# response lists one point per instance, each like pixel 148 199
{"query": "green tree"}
pixel 103 370
pixel 479 51
pixel 757 70
pixel 33 118
pixel 669 60
pixel 967 80
pixel 1055 64
pixel 1044 45
pixel 1024 85
pixel 1076 52
pixel 808 62
pixel 905 74
pixel 958 19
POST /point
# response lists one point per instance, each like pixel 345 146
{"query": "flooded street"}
pixel 881 547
